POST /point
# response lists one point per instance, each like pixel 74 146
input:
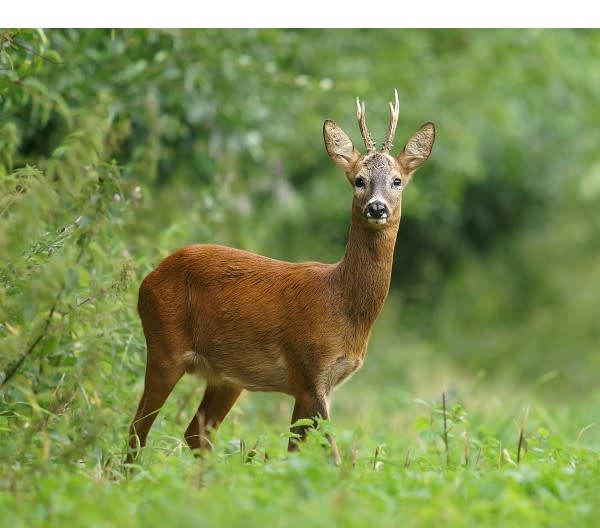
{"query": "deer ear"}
pixel 417 149
pixel 339 146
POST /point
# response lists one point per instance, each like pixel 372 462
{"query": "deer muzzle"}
pixel 377 212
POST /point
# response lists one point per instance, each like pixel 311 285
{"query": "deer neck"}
pixel 364 273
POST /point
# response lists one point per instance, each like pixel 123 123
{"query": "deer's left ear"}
pixel 339 146
pixel 417 149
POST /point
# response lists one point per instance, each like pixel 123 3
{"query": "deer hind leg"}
pixel 215 404
pixel 311 406
pixel 159 382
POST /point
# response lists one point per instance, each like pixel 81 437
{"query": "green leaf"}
pixel 302 422
pixel 422 423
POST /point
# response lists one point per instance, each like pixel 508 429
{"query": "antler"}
pixel 360 115
pixel 395 109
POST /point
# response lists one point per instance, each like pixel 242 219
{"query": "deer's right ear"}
pixel 339 146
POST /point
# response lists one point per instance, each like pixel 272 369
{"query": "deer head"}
pixel 378 177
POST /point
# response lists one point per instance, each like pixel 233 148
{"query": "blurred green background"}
pixel 118 147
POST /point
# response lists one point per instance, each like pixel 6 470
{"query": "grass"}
pixel 407 460
pixel 303 490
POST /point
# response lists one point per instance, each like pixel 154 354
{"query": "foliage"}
pixel 554 483
pixel 231 109
pixel 117 147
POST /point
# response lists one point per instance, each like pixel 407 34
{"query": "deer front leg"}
pixel 311 406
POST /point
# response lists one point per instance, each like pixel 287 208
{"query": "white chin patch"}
pixel 379 221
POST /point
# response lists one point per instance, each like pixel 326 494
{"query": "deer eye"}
pixel 359 182
pixel 397 182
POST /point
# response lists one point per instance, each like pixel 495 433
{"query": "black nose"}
pixel 376 210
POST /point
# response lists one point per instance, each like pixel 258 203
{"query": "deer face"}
pixel 377 177
pixel 377 183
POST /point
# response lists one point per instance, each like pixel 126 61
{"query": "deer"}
pixel 242 321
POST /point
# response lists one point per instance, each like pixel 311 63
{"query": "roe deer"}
pixel 244 321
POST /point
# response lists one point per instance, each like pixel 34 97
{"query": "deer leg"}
pixel 215 404
pixel 311 406
pixel 158 384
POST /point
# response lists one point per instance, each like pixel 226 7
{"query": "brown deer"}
pixel 244 321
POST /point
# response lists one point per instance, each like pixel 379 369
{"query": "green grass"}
pixel 550 489
pixel 396 468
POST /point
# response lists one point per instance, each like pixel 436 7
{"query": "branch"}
pixel 35 343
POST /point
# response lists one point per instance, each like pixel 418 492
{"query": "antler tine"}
pixel 395 110
pixel 361 116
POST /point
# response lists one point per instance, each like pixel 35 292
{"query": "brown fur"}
pixel 244 321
